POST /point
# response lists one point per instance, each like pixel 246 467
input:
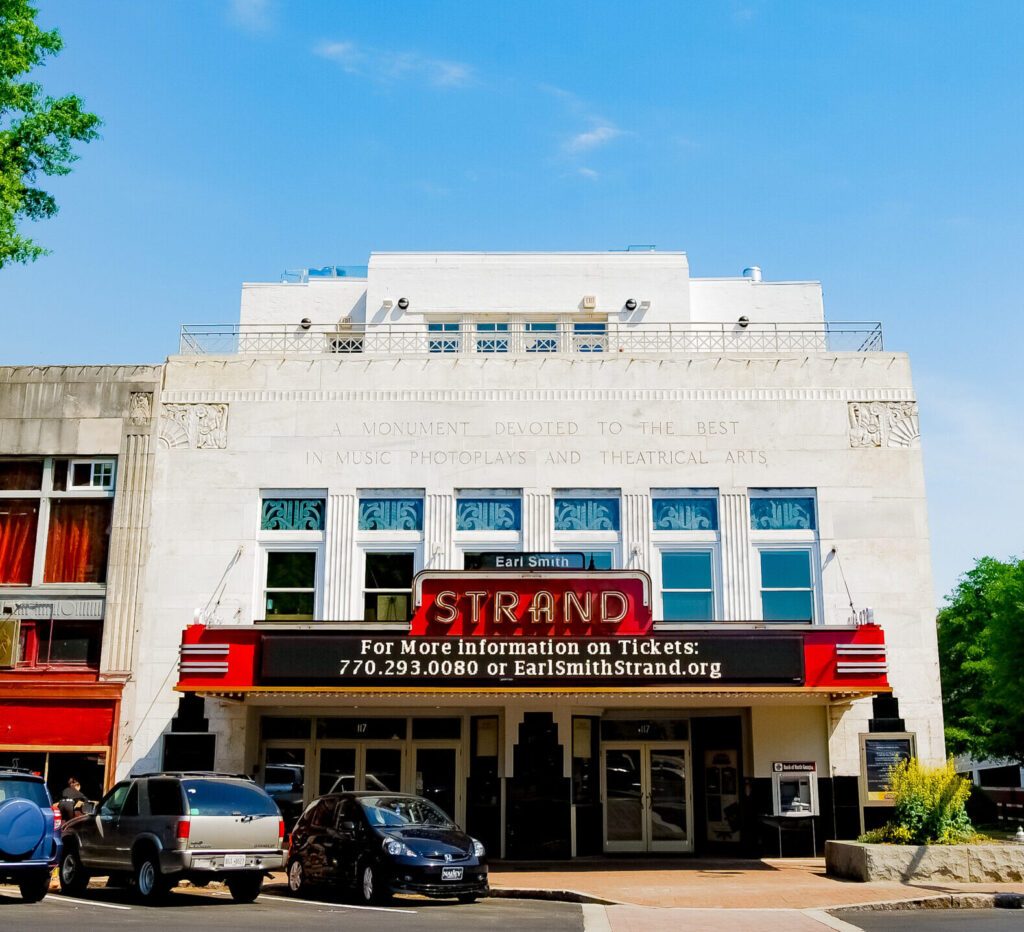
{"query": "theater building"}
pixel 75 458
pixel 601 557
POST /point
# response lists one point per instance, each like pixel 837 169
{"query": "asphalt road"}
pixel 933 920
pixel 193 910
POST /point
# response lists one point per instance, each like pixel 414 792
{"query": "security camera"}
pixel 631 304
pixel 305 323
pixel 403 303
pixel 743 321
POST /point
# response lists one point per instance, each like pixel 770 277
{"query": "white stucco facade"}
pixel 735 420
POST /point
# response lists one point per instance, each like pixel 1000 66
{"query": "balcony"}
pixel 529 338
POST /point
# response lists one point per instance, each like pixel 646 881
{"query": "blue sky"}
pixel 876 147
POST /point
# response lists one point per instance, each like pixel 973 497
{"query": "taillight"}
pixel 181 833
pixel 280 834
pixel 57 820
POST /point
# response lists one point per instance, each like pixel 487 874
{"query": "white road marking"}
pixel 70 899
pixel 376 909
pixel 831 921
pixel 595 918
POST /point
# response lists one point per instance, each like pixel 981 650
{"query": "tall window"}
pixel 684 525
pixel 391 539
pixel 387 587
pixel 292 539
pixel 55 516
pixel 783 529
pixel 589 521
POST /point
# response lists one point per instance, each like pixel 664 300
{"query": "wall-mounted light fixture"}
pixel 631 304
pixel 403 303
pixel 743 321
pixel 305 323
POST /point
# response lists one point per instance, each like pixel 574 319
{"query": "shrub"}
pixel 930 806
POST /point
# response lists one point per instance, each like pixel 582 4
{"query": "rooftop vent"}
pixel 753 272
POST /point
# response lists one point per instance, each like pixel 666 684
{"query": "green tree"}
pixel 36 131
pixel 980 655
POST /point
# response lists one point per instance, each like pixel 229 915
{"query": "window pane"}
pixel 488 514
pixel 688 606
pixel 387 606
pixel 291 569
pixel 21 475
pixel 785 569
pixel 74 643
pixel 389 570
pixel 686 570
pixel 597 559
pixel 685 514
pixel 18 520
pixel 76 549
pixel 586 514
pixel 787 606
pixel 782 514
pixel 292 514
pixel 390 514
pixel 541 344
pixel 227 797
pixel 290 606
pixel 165 797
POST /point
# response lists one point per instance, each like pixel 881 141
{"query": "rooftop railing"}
pixel 521 337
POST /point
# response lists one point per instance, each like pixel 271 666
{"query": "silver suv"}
pixel 159 828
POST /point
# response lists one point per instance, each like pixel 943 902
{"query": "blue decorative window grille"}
pixel 586 514
pixel 292 514
pixel 782 513
pixel 496 340
pixel 390 514
pixel 685 514
pixel 448 343
pixel 488 514
pixel 541 336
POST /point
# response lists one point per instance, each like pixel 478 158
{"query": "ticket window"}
pixel 795 793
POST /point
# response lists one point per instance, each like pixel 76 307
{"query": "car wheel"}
pixel 371 888
pixel 245 887
pixel 150 885
pixel 35 887
pixel 73 877
pixel 296 877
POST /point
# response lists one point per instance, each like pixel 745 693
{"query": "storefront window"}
pixel 687 585
pixel 787 585
pixel 387 590
pixel 60 643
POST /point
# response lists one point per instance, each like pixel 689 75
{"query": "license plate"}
pixel 234 860
pixel 451 873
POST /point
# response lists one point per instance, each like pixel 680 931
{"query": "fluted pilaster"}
pixel 340 581
pixel 636 530
pixel 736 595
pixel 537 521
pixel 439 531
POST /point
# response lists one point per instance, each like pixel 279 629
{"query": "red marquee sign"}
pixel 495 604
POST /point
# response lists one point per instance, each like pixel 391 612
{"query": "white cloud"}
pixel 251 15
pixel 588 173
pixel 391 65
pixel 599 135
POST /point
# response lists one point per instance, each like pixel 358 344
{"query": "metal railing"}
pixel 520 337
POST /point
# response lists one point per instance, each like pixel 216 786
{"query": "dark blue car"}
pixel 29 833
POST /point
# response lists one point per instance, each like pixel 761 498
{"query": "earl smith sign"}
pixel 383 661
pixel 496 604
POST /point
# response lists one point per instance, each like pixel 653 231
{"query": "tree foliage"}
pixel 36 131
pixel 981 658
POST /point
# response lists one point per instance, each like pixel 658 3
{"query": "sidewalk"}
pixel 783 884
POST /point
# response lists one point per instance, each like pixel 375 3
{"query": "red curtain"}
pixel 76 550
pixel 18 518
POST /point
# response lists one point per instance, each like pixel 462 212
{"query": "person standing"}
pixel 73 800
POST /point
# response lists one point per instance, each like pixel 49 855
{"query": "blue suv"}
pixel 29 833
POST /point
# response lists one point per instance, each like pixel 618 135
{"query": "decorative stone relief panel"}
pixel 884 424
pixel 200 426
pixel 140 408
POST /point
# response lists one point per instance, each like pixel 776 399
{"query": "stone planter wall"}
pixel 854 860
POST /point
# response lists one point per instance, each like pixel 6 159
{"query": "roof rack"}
pixel 27 770
pixel 191 773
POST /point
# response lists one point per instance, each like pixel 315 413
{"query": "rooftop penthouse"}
pixel 638 301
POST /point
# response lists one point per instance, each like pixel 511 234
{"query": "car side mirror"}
pixel 347 826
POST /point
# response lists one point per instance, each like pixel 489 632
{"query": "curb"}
pixel 563 896
pixel 939 901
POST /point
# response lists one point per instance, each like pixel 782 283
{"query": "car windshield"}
pixel 32 790
pixel 227 797
pixel 400 811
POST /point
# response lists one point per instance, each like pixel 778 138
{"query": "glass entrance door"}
pixel 346 767
pixel 436 770
pixel 646 797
